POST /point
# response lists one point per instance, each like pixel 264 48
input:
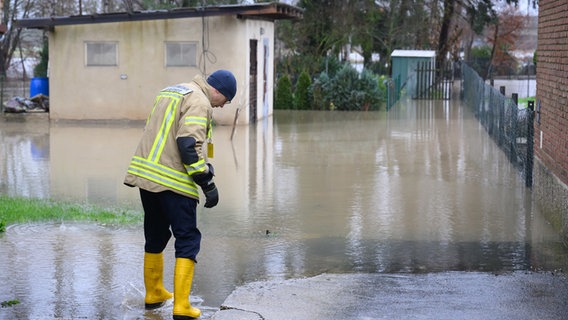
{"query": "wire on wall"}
pixel 206 55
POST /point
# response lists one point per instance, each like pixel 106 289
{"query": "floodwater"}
pixel 419 189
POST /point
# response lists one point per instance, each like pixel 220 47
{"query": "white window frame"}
pixel 98 59
pixel 182 59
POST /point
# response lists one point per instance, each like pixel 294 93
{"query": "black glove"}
pixel 205 181
pixel 211 195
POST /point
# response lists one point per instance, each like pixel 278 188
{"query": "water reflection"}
pixel 419 189
pixel 88 162
pixel 24 156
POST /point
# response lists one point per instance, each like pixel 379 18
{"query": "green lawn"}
pixel 21 210
pixel 523 102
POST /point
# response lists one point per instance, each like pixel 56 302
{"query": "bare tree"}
pixel 10 40
pixel 53 8
pixel 502 36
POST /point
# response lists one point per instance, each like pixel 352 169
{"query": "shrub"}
pixel 349 90
pixel 320 92
pixel 338 86
pixel 341 91
pixel 370 92
pixel 301 95
pixel 284 98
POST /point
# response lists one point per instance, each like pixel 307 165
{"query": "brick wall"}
pixel 551 134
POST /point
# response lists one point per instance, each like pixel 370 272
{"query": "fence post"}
pixel 514 134
pixel 482 110
pixel 431 80
pixel 419 94
pixel 450 83
pixel 530 145
pixel 501 118
pixel 491 114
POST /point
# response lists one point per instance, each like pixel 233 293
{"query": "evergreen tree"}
pixel 40 70
pixel 301 95
pixel 284 98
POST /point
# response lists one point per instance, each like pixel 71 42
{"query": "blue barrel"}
pixel 39 85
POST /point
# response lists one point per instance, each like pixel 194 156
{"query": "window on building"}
pixel 181 54
pixel 101 54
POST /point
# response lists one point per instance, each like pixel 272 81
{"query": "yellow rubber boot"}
pixel 183 277
pixel 156 294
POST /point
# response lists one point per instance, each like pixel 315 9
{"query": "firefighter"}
pixel 167 167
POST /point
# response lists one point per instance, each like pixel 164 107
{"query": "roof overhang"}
pixel 414 53
pixel 264 11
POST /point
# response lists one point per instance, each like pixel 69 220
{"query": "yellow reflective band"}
pixel 153 109
pixel 196 120
pixel 160 140
pixel 162 181
pixel 162 175
pixel 167 171
pixel 167 94
pixel 195 167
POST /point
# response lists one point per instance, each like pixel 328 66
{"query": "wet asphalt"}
pixel 448 295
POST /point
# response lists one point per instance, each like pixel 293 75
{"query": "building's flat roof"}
pixel 264 11
pixel 414 53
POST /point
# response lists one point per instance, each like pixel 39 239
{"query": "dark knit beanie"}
pixel 224 81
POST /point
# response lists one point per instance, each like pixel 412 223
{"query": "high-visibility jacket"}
pixel 182 110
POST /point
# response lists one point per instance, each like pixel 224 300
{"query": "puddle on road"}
pixel 419 189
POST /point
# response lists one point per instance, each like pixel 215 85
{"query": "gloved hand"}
pixel 204 178
pixel 211 195
pixel 205 181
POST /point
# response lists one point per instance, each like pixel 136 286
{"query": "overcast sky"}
pixel 526 5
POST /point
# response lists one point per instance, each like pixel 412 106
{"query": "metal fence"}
pixel 425 82
pixel 433 83
pixel 510 126
pixel 394 90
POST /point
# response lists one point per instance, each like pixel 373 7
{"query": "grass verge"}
pixel 21 210
pixel 523 102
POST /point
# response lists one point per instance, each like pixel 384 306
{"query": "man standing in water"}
pixel 167 167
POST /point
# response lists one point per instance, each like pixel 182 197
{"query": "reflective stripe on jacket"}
pixel 183 110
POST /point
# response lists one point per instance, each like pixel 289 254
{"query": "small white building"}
pixel 111 66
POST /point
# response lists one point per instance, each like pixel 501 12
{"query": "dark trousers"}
pixel 168 210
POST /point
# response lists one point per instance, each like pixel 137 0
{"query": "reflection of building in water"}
pixel 88 162
pixel 24 156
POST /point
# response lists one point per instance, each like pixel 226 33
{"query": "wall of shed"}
pixel 127 91
pixel 405 68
